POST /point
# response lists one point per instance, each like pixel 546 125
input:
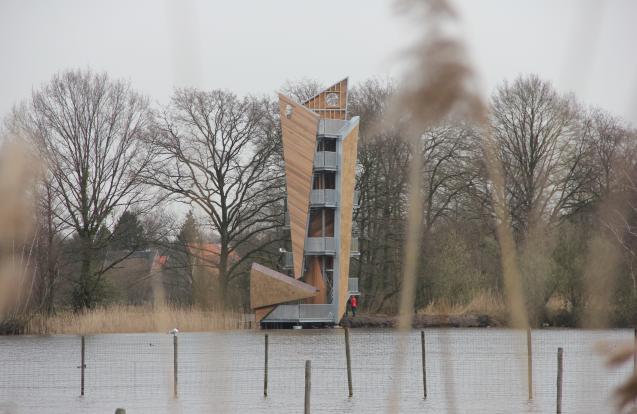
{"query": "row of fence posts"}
pixel 308 368
pixel 308 372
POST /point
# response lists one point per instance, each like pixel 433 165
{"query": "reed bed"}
pixel 133 319
pixel 482 303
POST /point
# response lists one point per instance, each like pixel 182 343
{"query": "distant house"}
pixel 207 254
pixel 140 276
pixel 205 272
pixel 136 277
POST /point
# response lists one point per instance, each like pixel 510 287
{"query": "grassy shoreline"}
pixel 420 321
pixel 136 319
pixel 482 310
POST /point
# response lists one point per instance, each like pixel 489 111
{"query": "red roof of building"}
pixel 209 252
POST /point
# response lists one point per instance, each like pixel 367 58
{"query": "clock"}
pixel 331 99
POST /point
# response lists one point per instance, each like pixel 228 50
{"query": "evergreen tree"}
pixel 129 233
pixel 189 232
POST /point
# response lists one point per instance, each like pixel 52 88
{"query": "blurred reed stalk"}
pixel 19 171
pixel 437 86
pixel 508 253
pixel 441 85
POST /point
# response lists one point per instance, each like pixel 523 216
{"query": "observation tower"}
pixel 319 150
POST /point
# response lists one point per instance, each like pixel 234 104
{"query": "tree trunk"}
pixel 222 294
pixel 84 291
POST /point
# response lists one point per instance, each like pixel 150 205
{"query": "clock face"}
pixel 331 99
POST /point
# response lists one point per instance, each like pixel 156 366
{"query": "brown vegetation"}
pixel 485 309
pixel 420 321
pixel 130 319
pixel 482 303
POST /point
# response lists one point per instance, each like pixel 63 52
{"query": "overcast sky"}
pixel 254 46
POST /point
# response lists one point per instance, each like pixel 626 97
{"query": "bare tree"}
pixel 49 251
pixel 302 89
pixel 627 236
pixel 612 153
pixel 88 129
pixel 449 170
pixel 220 153
pixel 615 184
pixel 448 173
pixel 382 182
pixel 383 157
pixel 541 149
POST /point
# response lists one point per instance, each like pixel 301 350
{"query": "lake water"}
pixel 468 371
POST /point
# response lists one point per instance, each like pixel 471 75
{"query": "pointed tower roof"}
pixel 331 103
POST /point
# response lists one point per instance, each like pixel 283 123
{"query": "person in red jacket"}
pixel 354 304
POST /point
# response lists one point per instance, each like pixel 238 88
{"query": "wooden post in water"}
pixel 559 380
pixel 308 385
pixel 82 366
pixel 265 372
pixel 175 365
pixel 424 364
pixel 349 363
pixel 529 362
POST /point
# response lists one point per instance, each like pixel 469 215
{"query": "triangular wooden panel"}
pixel 330 103
pixel 261 313
pixel 269 287
pixel 299 127
pixel 348 180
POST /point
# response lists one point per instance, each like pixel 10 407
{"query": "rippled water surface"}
pixel 468 371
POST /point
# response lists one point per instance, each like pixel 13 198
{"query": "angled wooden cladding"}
pixel 299 127
pixel 269 287
pixel 331 103
pixel 348 180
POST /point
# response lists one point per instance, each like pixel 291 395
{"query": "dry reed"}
pixel 439 85
pixel 134 319
pixel 482 303
pixel 508 252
